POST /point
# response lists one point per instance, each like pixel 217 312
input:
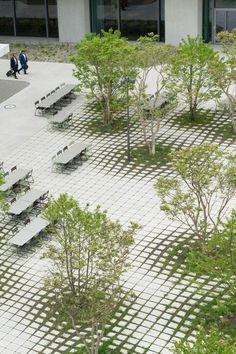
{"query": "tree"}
pixel 101 62
pixel 218 261
pixel 89 257
pixel 188 74
pixel 198 196
pixel 151 59
pixel 219 257
pixel 224 71
pixel 207 342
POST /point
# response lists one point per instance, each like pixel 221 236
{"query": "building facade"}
pixel 69 20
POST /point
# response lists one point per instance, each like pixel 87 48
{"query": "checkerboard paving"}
pixel 165 301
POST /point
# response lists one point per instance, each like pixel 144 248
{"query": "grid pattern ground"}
pixel 165 301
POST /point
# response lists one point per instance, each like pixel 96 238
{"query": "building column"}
pixel 73 19
pixel 182 18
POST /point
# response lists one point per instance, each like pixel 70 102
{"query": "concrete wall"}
pixel 182 18
pixel 4 49
pixel 73 19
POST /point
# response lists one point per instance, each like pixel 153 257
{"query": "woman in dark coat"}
pixel 14 65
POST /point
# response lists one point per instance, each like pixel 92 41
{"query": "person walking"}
pixel 124 4
pixel 23 61
pixel 14 65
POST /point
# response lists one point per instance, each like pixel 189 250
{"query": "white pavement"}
pixel 165 301
pixel 19 123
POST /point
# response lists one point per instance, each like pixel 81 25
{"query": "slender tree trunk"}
pixel 233 119
pixel 234 124
pixel 107 109
pixel 144 129
pixel 155 130
pixel 79 270
pixel 107 112
pixel 68 256
pixel 232 116
pixel 153 150
pixel 93 348
pixel 191 103
pixel 87 269
pixel 153 142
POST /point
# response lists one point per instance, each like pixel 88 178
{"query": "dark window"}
pixel 106 13
pixel 30 18
pixel 139 17
pixel 220 21
pixel 36 18
pixel 132 17
pixel 225 4
pixel 52 18
pixel 230 20
pixel 6 18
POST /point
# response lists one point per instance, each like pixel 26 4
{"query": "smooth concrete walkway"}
pixel 10 87
pixel 17 119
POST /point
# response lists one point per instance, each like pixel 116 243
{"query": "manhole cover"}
pixel 10 106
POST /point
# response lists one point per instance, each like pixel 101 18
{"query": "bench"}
pixel 27 200
pixel 30 230
pixel 17 175
pixel 48 103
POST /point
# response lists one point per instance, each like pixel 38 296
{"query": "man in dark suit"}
pixel 14 65
pixel 124 4
pixel 23 61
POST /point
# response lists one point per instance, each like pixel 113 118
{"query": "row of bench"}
pixel 55 100
pixel 19 206
pixel 38 102
pixel 15 176
pixel 70 153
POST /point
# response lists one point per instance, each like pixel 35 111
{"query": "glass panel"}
pixel 30 18
pixel 106 15
pixel 52 18
pixel 139 17
pixel 208 11
pixel 6 18
pixel 225 4
pixel 220 21
pixel 231 20
pixel 211 19
pixel 162 21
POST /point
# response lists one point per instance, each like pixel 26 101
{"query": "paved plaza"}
pixel 165 301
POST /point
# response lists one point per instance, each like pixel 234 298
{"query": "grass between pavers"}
pixel 140 155
pixel 220 311
pixel 96 126
pixel 206 119
pixel 48 314
pixel 216 123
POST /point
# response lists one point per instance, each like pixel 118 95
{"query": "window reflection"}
pixel 6 17
pixel 225 20
pixel 37 18
pixel 225 4
pixel 139 17
pixel 231 20
pixel 106 13
pixel 52 18
pixel 220 21
pixel 132 17
pixel 30 18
